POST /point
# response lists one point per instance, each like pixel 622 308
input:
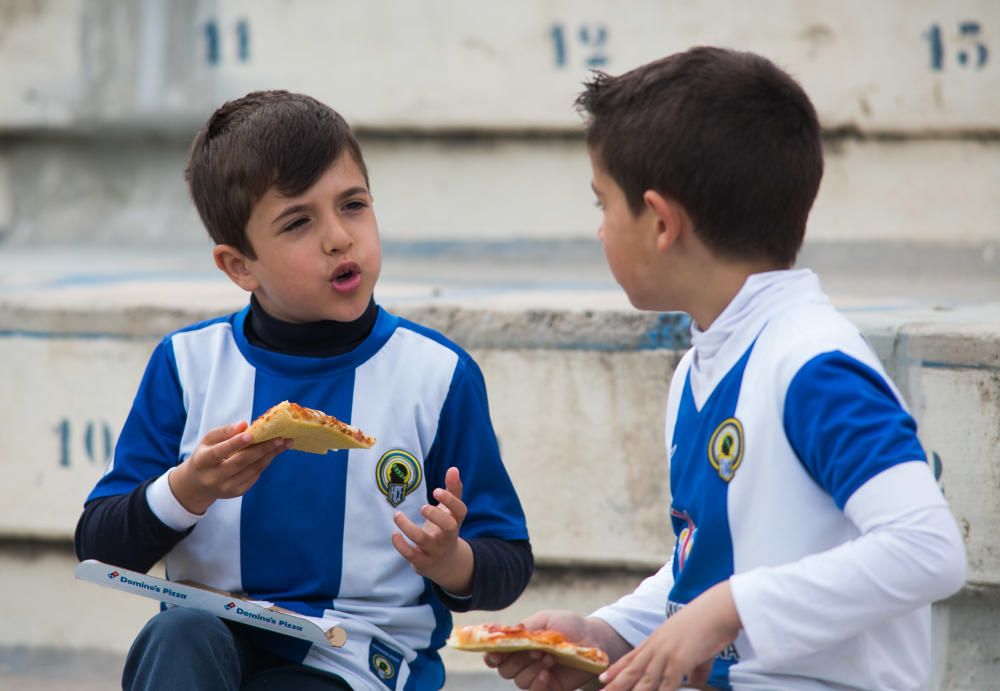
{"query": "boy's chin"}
pixel 349 312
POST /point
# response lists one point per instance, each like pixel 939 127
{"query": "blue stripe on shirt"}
pixel 846 425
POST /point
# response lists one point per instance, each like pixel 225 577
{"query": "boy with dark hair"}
pixel 382 542
pixel 811 536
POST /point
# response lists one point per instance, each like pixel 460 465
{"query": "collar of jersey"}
pixel 762 297
pixel 304 366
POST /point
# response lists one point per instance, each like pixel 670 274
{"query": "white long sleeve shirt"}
pixel 796 473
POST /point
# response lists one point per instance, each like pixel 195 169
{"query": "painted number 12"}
pixel 590 38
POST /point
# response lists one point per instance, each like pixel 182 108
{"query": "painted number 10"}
pixel 98 442
pixel 969 48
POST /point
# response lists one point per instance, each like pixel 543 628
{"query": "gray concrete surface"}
pixel 55 669
pixel 545 313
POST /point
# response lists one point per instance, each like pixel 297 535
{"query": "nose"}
pixel 335 237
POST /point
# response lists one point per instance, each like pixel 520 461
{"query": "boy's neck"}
pixel 717 284
pixel 314 339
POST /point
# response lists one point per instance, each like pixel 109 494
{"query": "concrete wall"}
pixel 131 193
pixel 465 114
pixel 100 100
pixel 889 66
pixel 577 398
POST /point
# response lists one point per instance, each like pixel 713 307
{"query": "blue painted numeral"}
pixel 972 51
pixel 213 42
pixel 590 39
pixel 98 442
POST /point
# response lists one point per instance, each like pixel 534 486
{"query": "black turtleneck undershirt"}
pixel 314 339
pixel 123 530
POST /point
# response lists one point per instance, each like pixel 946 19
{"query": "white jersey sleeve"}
pixel 636 615
pixel 909 553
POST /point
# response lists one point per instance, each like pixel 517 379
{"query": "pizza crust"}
pixel 569 654
pixel 311 430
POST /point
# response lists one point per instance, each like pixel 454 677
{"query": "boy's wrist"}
pixel 455 571
pixel 165 506
pixel 187 492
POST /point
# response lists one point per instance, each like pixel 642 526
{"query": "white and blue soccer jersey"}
pixel 787 442
pixel 313 534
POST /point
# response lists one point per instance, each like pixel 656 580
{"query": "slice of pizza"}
pixel 311 430
pixel 508 639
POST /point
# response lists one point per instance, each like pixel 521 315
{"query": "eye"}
pixel 297 223
pixel 598 204
pixel 355 205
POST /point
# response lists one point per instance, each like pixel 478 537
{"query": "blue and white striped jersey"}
pixel 313 534
pixel 790 449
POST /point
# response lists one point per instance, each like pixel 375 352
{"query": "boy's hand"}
pixel 225 464
pixel 437 552
pixel 683 646
pixel 538 671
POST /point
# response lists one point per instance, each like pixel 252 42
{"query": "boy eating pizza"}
pixel 383 540
pixel 811 537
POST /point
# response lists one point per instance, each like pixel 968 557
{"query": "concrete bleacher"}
pixel 482 190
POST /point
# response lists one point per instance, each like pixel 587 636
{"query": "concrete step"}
pixel 76 328
pixel 895 66
pixel 117 193
pixel 73 346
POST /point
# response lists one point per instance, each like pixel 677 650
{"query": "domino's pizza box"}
pixel 258 613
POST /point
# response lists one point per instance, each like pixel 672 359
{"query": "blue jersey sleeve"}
pixel 845 424
pixel 150 441
pixel 465 439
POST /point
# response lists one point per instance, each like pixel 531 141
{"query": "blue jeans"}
pixel 197 651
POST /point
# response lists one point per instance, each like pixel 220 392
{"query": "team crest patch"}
pixel 384 663
pixel 398 473
pixel 725 448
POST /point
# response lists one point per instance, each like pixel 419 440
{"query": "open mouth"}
pixel 347 277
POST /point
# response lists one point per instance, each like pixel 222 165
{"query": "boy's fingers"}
pixel 627 676
pixel 409 529
pixel 513 664
pixel 614 670
pixel 453 503
pixel 453 482
pixel 250 473
pixel 533 676
pixel 224 449
pixel 248 455
pixel 442 519
pixel 405 549
pixel 221 434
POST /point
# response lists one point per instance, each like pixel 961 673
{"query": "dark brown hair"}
pixel 728 135
pixel 265 139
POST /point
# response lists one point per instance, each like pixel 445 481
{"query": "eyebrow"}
pixel 294 209
pixel 298 208
pixel 594 189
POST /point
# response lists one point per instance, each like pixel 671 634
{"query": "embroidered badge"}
pixel 725 448
pixel 384 663
pixel 398 473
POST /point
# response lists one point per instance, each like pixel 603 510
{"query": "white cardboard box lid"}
pixel 263 615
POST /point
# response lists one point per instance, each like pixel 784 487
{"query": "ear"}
pixel 669 217
pixel 236 265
